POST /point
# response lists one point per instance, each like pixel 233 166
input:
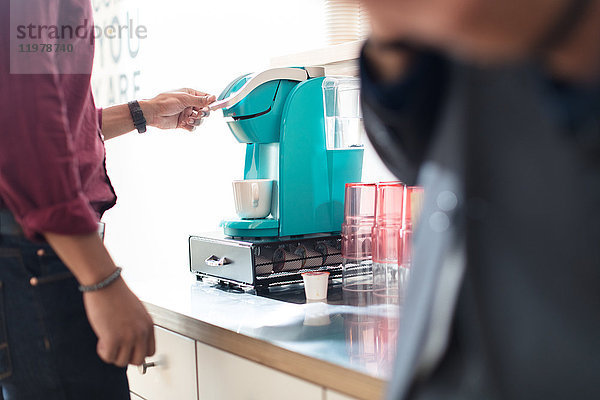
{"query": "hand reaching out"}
pixel 184 108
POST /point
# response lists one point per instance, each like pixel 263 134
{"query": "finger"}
pixel 197 117
pixel 140 351
pixel 124 355
pixel 202 113
pixel 199 102
pixel 151 344
pixel 211 97
pixel 192 91
pixel 184 115
pixel 195 122
pixel 187 127
pixel 107 352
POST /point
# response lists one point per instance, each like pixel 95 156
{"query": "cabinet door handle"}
pixel 214 261
pixel 144 367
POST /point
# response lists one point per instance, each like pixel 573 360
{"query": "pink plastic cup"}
pixel 359 214
pixel 388 221
pixel 359 203
pixel 386 237
pixel 359 217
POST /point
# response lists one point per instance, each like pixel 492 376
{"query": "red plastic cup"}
pixel 388 221
pixel 359 217
pixel 356 241
pixel 386 238
pixel 388 203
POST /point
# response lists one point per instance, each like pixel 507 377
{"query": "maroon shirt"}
pixel 52 161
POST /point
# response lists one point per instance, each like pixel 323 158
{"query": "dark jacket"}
pixel 504 300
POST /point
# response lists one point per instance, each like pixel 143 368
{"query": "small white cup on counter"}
pixel 315 285
pixel 252 198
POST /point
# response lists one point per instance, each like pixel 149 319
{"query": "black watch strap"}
pixel 137 115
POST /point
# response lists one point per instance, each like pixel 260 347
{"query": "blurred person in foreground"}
pixel 494 107
pixel 58 342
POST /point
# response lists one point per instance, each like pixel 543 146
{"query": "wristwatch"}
pixel 138 116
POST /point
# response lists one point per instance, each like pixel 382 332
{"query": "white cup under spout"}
pixel 252 198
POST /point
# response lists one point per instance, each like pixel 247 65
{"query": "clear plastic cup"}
pixel 386 248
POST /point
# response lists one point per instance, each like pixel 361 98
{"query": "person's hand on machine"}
pixel 184 108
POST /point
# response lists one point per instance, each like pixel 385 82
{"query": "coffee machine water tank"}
pixel 343 114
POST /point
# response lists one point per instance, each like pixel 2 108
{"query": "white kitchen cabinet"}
pixel 331 395
pixel 174 374
pixel 135 397
pixel 224 376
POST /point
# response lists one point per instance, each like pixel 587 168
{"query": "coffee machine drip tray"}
pixel 263 262
pixel 263 227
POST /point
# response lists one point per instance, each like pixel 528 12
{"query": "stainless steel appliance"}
pixel 263 262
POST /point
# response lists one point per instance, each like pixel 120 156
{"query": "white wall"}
pixel 173 183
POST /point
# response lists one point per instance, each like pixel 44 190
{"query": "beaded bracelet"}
pixel 102 284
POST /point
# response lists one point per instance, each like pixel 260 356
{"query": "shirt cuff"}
pixel 74 217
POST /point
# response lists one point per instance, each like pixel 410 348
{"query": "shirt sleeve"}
pixel 400 116
pixel 39 171
pixel 39 179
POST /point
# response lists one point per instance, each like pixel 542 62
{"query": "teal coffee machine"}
pixel 279 116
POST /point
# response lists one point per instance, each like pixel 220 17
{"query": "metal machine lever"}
pixel 214 261
pixel 144 367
